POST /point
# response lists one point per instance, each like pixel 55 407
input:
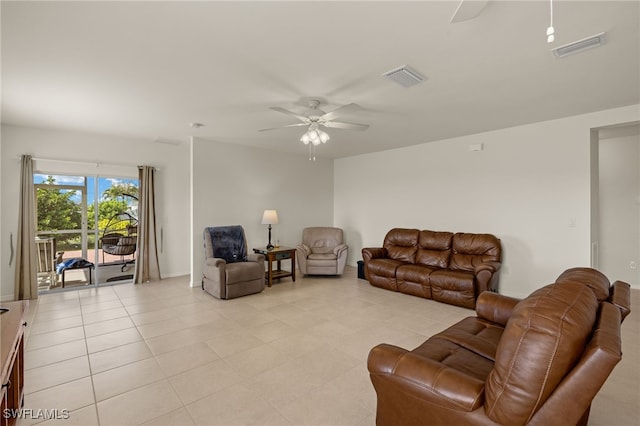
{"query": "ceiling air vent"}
pixel 580 45
pixel 404 76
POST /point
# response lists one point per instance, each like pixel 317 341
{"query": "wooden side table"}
pixel 278 254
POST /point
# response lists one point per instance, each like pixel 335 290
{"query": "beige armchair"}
pixel 229 271
pixel 322 251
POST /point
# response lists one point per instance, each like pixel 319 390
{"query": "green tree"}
pixel 56 210
pixel 106 210
pixel 121 191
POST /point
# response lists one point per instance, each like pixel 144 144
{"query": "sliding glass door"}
pixel 115 213
pixel 86 230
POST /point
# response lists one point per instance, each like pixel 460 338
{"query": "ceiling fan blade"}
pixel 348 126
pixel 286 111
pixel 468 9
pixel 282 127
pixel 336 112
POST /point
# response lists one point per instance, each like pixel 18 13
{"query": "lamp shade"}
pixel 270 217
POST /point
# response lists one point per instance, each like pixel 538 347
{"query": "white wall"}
pixel 233 185
pixel 172 189
pixel 620 205
pixel 530 186
pixel 3 241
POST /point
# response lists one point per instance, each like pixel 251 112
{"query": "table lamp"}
pixel 270 217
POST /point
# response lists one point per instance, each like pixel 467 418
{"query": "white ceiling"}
pixel 148 69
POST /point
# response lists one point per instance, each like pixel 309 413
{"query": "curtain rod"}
pixel 96 164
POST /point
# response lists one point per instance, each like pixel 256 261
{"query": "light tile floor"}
pixel 167 354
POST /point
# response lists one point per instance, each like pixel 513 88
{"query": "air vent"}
pixel 580 45
pixel 404 76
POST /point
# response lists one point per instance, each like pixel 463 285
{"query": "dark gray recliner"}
pixel 229 271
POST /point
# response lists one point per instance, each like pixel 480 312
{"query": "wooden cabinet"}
pixel 12 357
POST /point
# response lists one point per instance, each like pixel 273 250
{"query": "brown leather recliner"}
pixel 537 361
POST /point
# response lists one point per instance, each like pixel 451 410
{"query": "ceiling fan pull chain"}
pixel 312 152
pixel 551 31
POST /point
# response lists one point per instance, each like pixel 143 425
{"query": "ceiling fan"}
pixel 314 115
pixel 314 118
pixel 468 9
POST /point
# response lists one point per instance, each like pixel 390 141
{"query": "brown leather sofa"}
pixel 537 361
pixel 443 266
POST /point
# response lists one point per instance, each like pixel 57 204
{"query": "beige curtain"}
pixel 147 265
pixel 26 283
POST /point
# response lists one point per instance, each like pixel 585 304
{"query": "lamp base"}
pixel 269 246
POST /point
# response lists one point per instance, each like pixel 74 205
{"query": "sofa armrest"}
pixel 495 307
pixel 621 298
pixel 369 253
pixel 255 257
pixel 214 262
pixel 303 249
pixel 424 378
pixel 339 249
pixel 302 252
pixel 487 274
pixel 214 269
pixel 492 267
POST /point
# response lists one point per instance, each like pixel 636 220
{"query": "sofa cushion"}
pixel 323 256
pixel 402 244
pixel 470 250
pixel 454 287
pixel 542 341
pixel 475 334
pixel 382 273
pixel 414 279
pixel 434 248
pixel 456 357
pixel 323 260
pixel 384 267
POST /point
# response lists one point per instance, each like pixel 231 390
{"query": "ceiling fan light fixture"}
pixel 313 137
pixel 314 119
